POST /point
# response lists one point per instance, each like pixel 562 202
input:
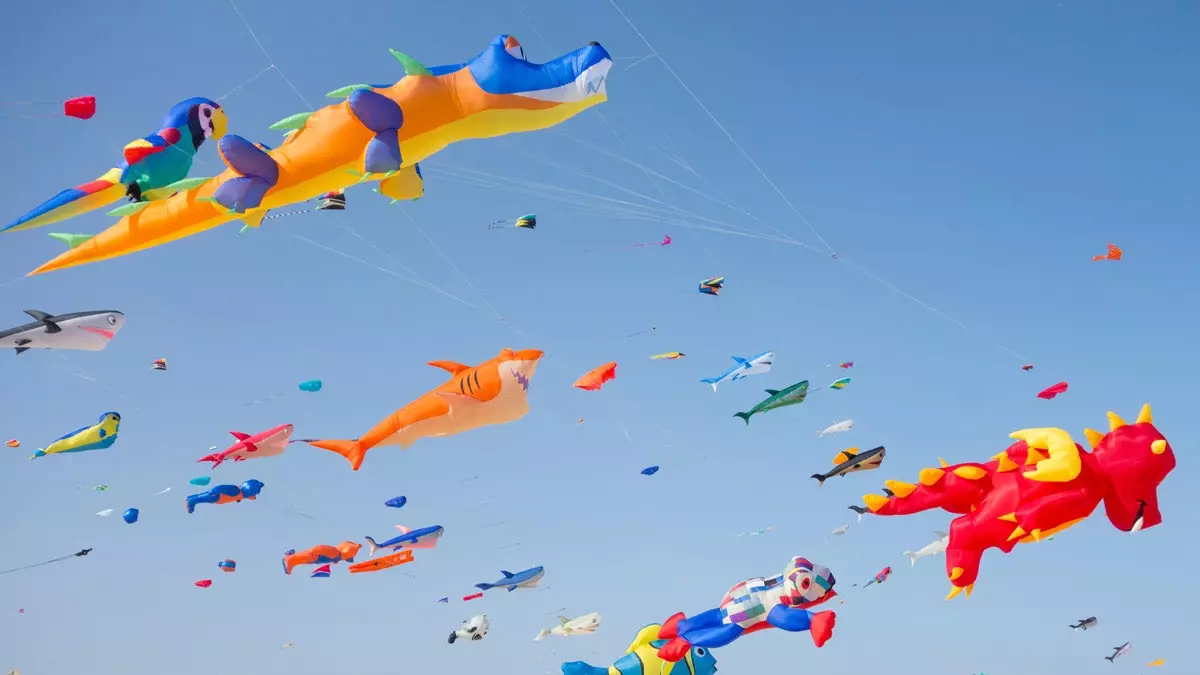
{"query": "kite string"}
pixel 29 567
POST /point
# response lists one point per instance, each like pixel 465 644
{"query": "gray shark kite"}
pixel 87 331
pixel 851 460
pixel 778 398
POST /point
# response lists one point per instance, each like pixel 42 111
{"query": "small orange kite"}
pixel 382 563
pixel 596 377
pixel 1114 253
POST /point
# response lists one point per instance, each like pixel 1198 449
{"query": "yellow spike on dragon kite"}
pixel 379 132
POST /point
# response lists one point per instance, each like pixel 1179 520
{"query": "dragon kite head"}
pixel 1136 458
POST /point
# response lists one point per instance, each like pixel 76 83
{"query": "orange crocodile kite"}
pixel 493 392
pixel 1002 505
pixel 379 132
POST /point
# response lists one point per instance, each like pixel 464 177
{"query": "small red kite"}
pixel 1114 253
pixel 1027 367
pixel 596 377
pixel 1053 390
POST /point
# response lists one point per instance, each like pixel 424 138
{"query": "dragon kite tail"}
pixel 951 488
pixel 71 202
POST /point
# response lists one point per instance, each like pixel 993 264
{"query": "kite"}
pixel 1027 367
pixel 474 628
pixel 755 533
pixel 396 502
pixel 650 470
pixel 472 596
pixel 584 625
pixel 154 167
pixel 203 583
pixel 777 398
pixel 493 392
pixel 755 604
pixel 130 516
pixel 322 572
pixel 99 436
pixel 201 481
pixel 933 548
pixel 71 240
pixel 712 285
pixel 836 428
pixel 336 201
pixel 80 107
pixel 1156 662
pixel 105 513
pixel 846 364
pixel 228 565
pixel 595 378
pixel 879 578
pixel 78 554
pixel 641 658
pixel 743 368
pixel 1114 253
pixel 1120 651
pixel 839 531
pixel 851 460
pixel 1084 624
pixel 1039 486
pixel 311 385
pixel 651 329
pixel 87 331
pixel 525 222
pixel 267 443
pixel 320 554
pixel 159 364
pixel 423 538
pixel 839 384
pixel 360 138
pixel 1053 390
pixel 523 579
pixel 666 241
pixel 383 563
pixel 100 488
pixel 670 356
pixel 13 443
pixel 225 494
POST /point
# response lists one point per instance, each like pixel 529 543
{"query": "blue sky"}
pixel 975 155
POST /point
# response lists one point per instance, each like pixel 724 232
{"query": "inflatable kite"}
pixel 396 502
pixel 382 563
pixel 1114 253
pixel 130 516
pixel 89 331
pixel 311 385
pixel 225 494
pixel 1041 485
pixel 80 107
pixel 712 285
pixel 267 443
pixel 474 628
pixel 595 378
pixel 203 583
pixel 879 578
pixel 13 443
pixel 99 436
pixel 320 554
pixel 582 625
pixel 777 398
pixel 1053 390
pixel 670 356
pixel 493 392
pixel 377 133
pixel 641 658
pixel 322 572
pixel 781 601
pixel 228 565
pixel 159 364
pixel 525 222
pixel 154 167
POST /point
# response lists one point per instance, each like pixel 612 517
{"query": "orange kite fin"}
pixel 351 450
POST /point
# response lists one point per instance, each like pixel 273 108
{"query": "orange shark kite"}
pixel 493 392
pixel 379 132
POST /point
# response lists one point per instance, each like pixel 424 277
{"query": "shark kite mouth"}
pixel 522 379
pixel 106 334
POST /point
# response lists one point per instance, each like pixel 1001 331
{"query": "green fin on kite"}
pixel 411 65
pixel 346 90
pixel 71 240
pixel 292 122
pixel 128 209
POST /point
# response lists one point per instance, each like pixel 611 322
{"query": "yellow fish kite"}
pixel 99 436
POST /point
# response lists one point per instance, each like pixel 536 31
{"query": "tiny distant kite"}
pixel 13 443
pixel 228 565
pixel 839 384
pixel 937 546
pixel 130 516
pixel 1027 367
pixel 1084 624
pixel 159 364
pixel 71 240
pixel 595 378
pixel 839 531
pixel 525 222
pixel 1120 651
pixel 100 488
pixel 396 502
pixel 666 240
pixel 204 583
pixel 650 470
pixel 1156 662
pixel 1114 253
pixel 105 513
pixel 311 385
pixel 333 201
pixel 712 285
pixel 99 436
pixel 836 427
pixel 201 481
pixel 1053 390
pixel 647 331
pixel 879 578
pixel 80 107
pixel 472 596
pixel 322 572
pixel 78 554
pixel 755 533
pixel 669 356
pixel 851 460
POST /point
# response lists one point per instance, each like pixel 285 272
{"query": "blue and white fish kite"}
pixel 743 368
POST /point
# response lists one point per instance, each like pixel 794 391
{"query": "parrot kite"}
pixel 154 167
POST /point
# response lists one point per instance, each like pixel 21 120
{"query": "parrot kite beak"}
pixel 220 123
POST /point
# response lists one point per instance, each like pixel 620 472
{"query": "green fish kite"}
pixel 778 399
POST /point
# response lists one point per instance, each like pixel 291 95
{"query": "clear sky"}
pixel 974 155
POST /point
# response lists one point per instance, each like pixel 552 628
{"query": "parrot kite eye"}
pixel 208 112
